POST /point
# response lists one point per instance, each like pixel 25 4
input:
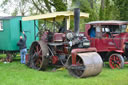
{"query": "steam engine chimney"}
pixel 76 20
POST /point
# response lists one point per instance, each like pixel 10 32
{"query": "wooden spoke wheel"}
pixel 116 61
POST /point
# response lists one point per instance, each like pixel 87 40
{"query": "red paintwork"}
pixel 107 44
pixel 26 58
pixel 126 63
pixel 58 37
pixel 104 43
pixel 44 36
pixel 106 35
pixel 79 50
pixel 113 59
pixel 54 59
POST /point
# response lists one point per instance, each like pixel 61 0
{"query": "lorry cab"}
pixel 107 35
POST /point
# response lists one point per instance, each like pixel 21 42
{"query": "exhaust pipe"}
pixel 76 21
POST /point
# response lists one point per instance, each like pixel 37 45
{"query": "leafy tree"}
pixel 100 9
pixel 122 6
pixel 108 10
pixel 88 6
pixel 49 5
pixel 32 7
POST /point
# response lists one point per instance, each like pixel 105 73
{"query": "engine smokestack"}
pixel 76 20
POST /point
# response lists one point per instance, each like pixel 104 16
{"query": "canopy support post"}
pixel 68 23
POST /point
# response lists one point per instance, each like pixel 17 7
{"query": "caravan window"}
pixel 1 25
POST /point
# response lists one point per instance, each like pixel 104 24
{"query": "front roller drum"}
pixel 87 64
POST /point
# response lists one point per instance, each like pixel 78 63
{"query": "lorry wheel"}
pixel 116 61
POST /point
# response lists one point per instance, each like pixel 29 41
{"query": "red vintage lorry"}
pixel 110 38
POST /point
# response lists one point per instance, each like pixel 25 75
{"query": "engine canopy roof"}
pixel 58 16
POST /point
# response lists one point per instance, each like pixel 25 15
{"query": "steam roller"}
pixel 66 48
pixel 87 64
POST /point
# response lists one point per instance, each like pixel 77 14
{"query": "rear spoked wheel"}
pixel 37 54
pixel 116 61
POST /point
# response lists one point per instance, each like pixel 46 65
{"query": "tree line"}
pixel 98 9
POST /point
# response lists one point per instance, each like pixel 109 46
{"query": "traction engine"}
pixel 69 49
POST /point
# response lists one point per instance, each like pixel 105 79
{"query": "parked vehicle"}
pixel 110 38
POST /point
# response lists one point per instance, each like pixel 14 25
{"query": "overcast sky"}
pixel 1 13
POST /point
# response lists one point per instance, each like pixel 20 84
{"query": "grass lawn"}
pixel 18 74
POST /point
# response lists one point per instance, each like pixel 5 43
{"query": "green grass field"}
pixel 18 74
